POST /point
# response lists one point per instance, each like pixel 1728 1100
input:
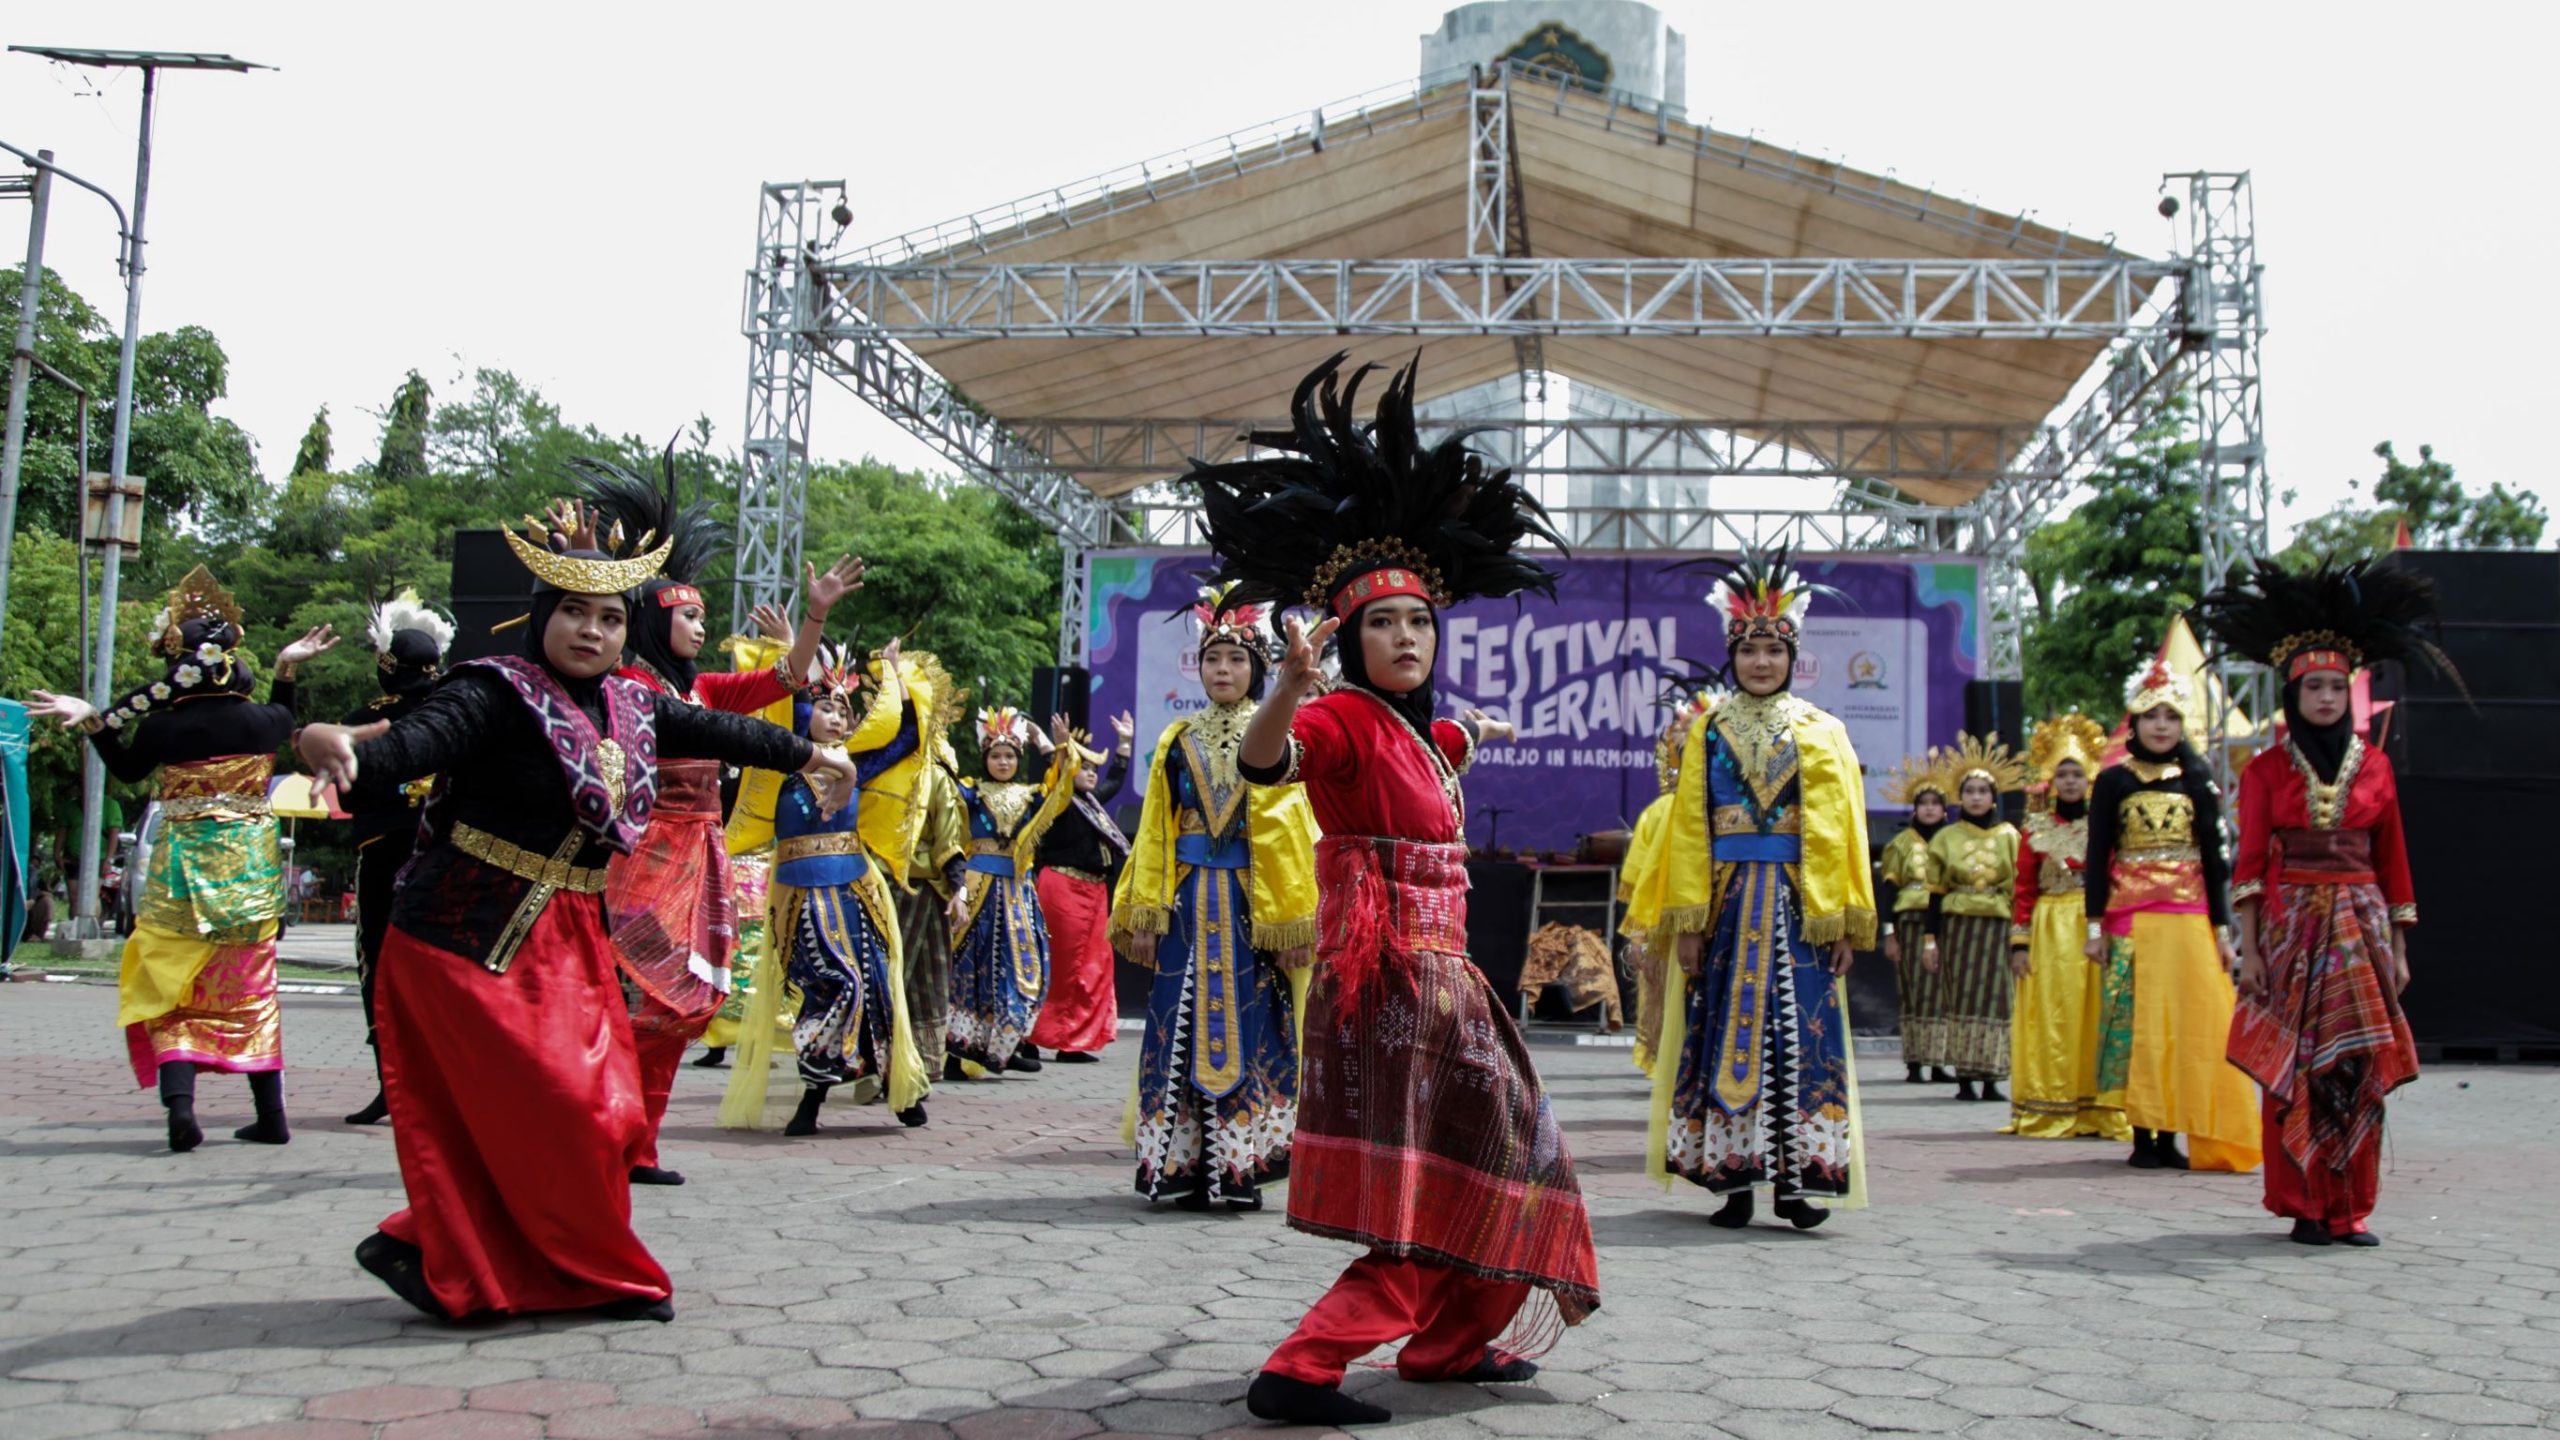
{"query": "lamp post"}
pixel 93 786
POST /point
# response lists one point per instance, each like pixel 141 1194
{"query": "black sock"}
pixel 178 1096
pixel 266 1090
pixel 804 1121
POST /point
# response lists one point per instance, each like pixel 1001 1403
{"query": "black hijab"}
pixel 1416 706
pixel 2323 746
pixel 650 639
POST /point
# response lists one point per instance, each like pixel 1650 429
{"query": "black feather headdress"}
pixel 2335 616
pixel 622 497
pixel 1348 513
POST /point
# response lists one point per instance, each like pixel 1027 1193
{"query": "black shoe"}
pixel 652 1175
pixel 2143 1156
pixel 1278 1397
pixel 1024 1064
pixel 713 1057
pixel 1736 1212
pixel 1991 1090
pixel 804 1121
pixel 396 1263
pixel 265 1130
pixel 1498 1367
pixel 2164 1144
pixel 2359 1237
pixel 913 1116
pixel 1964 1090
pixel 951 1068
pixel 1078 1057
pixel 375 1111
pixel 1911 1075
pixel 1941 1075
pixel 1801 1213
pixel 637 1308
pixel 184 1133
pixel 2307 1232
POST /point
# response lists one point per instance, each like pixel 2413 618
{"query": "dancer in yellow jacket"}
pixel 1766 894
pixel 1219 898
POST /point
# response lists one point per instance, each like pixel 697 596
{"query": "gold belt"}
pixel 552 871
pixel 810 847
pixel 1073 873
pixel 224 807
pixel 1737 820
pixel 2168 854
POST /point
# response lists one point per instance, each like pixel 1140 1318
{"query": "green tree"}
pixel 2108 577
pixel 403 457
pixel 312 456
pixel 2438 511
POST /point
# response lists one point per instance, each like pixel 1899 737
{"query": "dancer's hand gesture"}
pixel 1124 729
pixel 1692 953
pixel 956 914
pixel 839 580
pixel 770 622
pixel 317 641
pixel 330 750
pixel 1490 731
pixel 571 523
pixel 889 656
pixel 1298 669
pixel 831 774
pixel 69 709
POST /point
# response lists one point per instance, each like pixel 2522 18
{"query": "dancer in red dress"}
pixel 1079 859
pixel 668 904
pixel 2320 882
pixel 1423 1133
pixel 515 1094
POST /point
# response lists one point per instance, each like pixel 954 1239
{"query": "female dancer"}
pixel 831 911
pixel 2158 904
pixel 1077 859
pixel 1423 1133
pixel 2053 1046
pixel 409 641
pixel 668 903
pixel 2323 887
pixel 1920 784
pixel 515 1091
pixel 198 988
pixel 1637 888
pixel 1219 900
pixel 1973 868
pixel 1000 963
pixel 1766 897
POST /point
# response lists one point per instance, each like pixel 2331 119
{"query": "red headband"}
pixel 1378 585
pixel 2306 661
pixel 675 595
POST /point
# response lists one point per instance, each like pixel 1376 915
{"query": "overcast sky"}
pixel 574 199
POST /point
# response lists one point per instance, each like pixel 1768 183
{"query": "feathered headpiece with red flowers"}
pixel 1762 595
pixel 1003 725
pixel 1225 621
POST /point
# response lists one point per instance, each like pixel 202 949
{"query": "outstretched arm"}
pixel 1264 752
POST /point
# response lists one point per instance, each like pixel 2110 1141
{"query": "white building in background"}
pixel 1615 45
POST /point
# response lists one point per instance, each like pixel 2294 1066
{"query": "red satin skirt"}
pixel 516 1111
pixel 1082 1012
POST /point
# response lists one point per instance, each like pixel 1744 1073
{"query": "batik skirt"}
pixel 1000 968
pixel 1218 1070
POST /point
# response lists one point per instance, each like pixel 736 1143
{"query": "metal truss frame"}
pixel 2191 323
pixel 2225 313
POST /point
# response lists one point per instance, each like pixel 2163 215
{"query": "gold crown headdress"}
pixel 2065 737
pixel 2154 685
pixel 1989 760
pixel 610 573
pixel 1916 775
pixel 197 597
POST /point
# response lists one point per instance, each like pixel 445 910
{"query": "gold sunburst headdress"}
pixel 1975 757
pixel 1923 774
pixel 2065 737
pixel 197 597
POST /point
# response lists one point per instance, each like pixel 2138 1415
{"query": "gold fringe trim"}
pixel 1857 926
pixel 1686 920
pixel 1282 935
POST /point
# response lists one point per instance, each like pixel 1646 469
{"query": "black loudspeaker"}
pixel 1062 690
pixel 2472 984
pixel 1995 709
pixel 489 587
pixel 2501 616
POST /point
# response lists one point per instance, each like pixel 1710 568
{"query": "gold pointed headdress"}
pixel 1991 760
pixel 197 597
pixel 2155 685
pixel 604 574
pixel 2065 737
pixel 1916 775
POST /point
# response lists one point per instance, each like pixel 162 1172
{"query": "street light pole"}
pixel 13 441
pixel 93 776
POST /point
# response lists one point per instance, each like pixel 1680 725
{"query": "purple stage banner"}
pixel 1580 674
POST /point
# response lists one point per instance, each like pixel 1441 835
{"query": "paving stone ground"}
pixel 991 1277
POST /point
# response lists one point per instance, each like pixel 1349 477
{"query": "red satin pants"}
pixel 1451 1317
pixel 2334 1199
